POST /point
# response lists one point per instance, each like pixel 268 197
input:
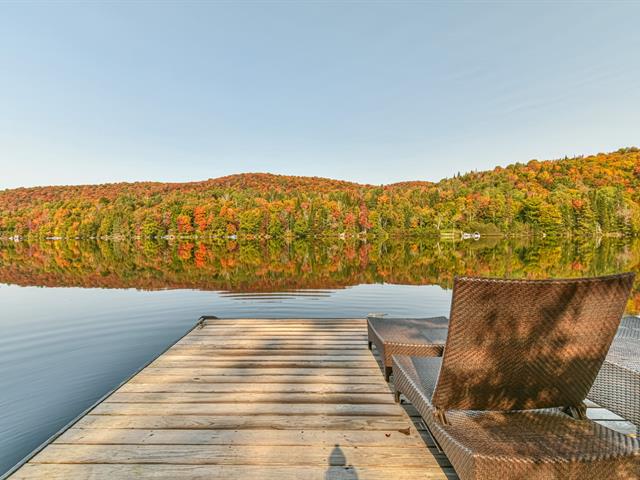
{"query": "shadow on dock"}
pixel 339 467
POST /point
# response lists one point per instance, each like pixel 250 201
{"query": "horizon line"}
pixel 358 183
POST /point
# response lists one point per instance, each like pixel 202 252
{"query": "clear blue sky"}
pixel 365 91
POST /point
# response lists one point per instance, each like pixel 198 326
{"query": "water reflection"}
pixel 278 269
pixel 63 348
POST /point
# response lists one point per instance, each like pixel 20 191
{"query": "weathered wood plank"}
pixel 282 408
pixel 270 342
pixel 248 397
pixel 240 421
pixel 289 337
pixel 303 338
pixel 152 376
pixel 276 330
pixel 169 356
pixel 231 352
pixel 280 331
pixel 325 326
pixel 237 389
pixel 227 472
pixel 239 370
pixel 276 326
pixel 323 455
pixel 284 330
pixel 354 438
pixel 285 333
pixel 281 321
pixel 202 349
pixel 284 363
pixel 279 324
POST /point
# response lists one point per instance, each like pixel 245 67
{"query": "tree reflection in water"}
pixel 271 266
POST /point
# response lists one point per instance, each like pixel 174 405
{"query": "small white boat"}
pixel 474 235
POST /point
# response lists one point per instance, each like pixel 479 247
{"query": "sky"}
pixel 373 92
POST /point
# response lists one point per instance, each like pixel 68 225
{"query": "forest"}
pixel 592 196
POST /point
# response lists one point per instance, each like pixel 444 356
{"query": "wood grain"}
pixel 249 398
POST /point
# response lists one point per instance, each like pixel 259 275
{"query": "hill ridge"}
pixel 593 195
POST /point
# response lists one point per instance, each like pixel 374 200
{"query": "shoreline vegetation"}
pixel 582 197
pixel 451 235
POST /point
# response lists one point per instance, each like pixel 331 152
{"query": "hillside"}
pixel 587 196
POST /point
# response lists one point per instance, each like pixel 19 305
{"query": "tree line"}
pixel 590 196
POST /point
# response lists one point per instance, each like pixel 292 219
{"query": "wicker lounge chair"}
pixel 420 337
pixel 506 399
pixel 617 386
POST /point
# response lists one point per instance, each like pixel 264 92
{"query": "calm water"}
pixel 76 318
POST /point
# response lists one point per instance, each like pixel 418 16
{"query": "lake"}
pixel 78 317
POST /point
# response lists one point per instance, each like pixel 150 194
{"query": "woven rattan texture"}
pixel 525 344
pixel 533 445
pixel 422 337
pixel 617 386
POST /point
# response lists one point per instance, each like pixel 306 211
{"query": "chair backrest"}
pixel 525 344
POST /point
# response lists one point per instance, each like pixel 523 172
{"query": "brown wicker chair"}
pixel 506 399
pixel 419 337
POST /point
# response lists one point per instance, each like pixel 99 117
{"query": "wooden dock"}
pixel 253 399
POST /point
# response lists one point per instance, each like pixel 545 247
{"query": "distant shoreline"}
pixel 581 197
pixel 408 236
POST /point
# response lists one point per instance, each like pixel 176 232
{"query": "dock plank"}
pixel 249 398
pixel 263 388
pixel 257 363
pixel 227 472
pixel 265 370
pixel 353 438
pixel 282 408
pixel 242 421
pixel 407 456
pixel 283 352
pixel 176 377
pixel 254 397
